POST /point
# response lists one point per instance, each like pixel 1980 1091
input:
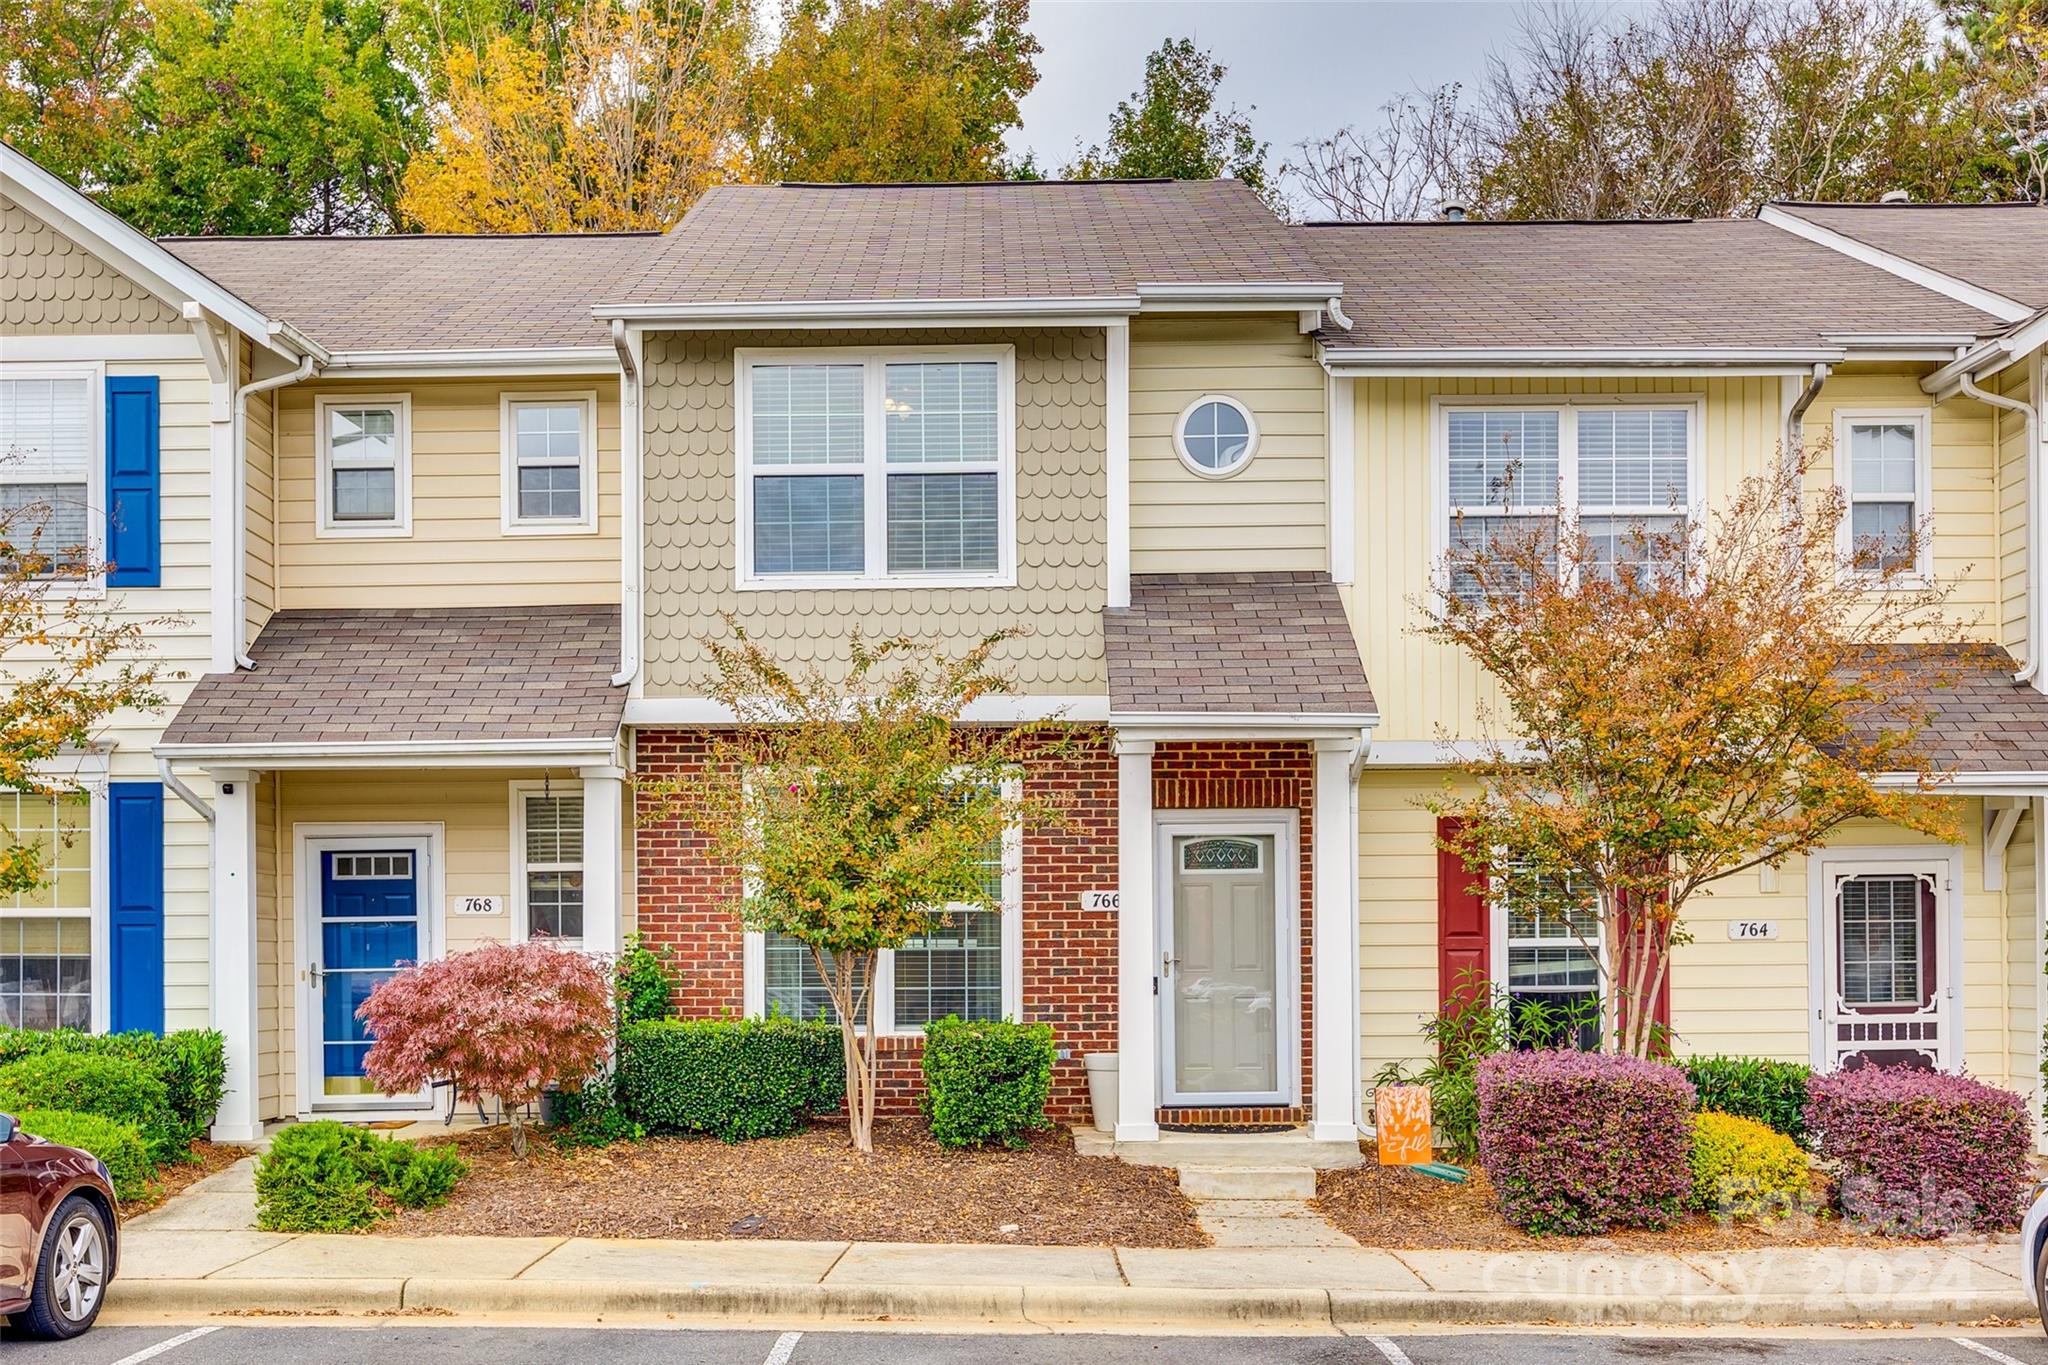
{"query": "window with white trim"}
pixel 550 461
pixel 1626 469
pixel 1884 461
pixel 875 467
pixel 1883 918
pixel 1552 956
pixel 49 462
pixel 46 958
pixel 550 876
pixel 365 485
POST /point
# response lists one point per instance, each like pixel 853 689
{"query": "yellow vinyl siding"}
pixel 276 1061
pixel 1273 513
pixel 259 482
pixel 2021 968
pixel 2016 383
pixel 458 554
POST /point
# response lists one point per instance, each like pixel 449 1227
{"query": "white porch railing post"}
pixel 233 974
pixel 1334 935
pixel 1137 1011
pixel 602 841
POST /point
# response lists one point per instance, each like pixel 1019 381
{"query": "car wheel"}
pixel 71 1273
pixel 2041 1283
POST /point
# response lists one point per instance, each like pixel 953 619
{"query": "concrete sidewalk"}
pixel 198 1256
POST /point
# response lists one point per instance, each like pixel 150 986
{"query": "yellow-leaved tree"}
pixel 619 125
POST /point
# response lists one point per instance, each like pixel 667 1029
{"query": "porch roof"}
pixel 1235 644
pixel 426 678
pixel 1978 720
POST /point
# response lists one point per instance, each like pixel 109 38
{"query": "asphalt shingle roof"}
pixel 2000 247
pixel 415 674
pixel 1720 282
pixel 1234 643
pixel 1048 239
pixel 1977 720
pixel 425 292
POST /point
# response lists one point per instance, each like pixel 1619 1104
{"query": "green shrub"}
pixel 1772 1093
pixel 732 1078
pixel 191 1063
pixel 111 1087
pixel 327 1177
pixel 1745 1168
pixel 591 1116
pixel 986 1082
pixel 643 981
pixel 118 1145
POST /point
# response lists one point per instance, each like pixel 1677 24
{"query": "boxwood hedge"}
pixel 731 1078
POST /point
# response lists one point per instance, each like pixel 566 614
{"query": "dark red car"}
pixel 58 1235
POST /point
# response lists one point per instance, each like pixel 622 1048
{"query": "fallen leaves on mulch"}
pixel 1404 1211
pixel 207 1159
pixel 811 1187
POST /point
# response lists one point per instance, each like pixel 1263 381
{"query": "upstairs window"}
pixel 550 443
pixel 1885 478
pixel 365 486
pixel 875 468
pixel 49 461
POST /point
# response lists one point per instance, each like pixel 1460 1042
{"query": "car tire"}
pixel 2041 1283
pixel 72 1273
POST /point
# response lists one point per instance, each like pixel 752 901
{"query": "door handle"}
pixel 313 971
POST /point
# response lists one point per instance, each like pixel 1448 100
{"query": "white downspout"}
pixel 239 613
pixel 183 792
pixel 2037 517
pixel 1795 416
pixel 632 528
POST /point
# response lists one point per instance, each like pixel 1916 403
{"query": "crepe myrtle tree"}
pixel 858 806
pixel 1676 705
pixel 71 660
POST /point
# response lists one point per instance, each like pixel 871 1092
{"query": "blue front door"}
pixel 369 927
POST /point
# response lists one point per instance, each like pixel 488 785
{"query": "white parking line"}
pixel 168 1344
pixel 786 1344
pixel 1981 1349
pixel 1396 1356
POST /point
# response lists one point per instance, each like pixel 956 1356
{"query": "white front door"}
pixel 1887 963
pixel 1228 982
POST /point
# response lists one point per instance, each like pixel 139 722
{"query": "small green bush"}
pixel 192 1063
pixel 986 1082
pixel 732 1078
pixel 1745 1168
pixel 118 1145
pixel 327 1177
pixel 591 1117
pixel 1772 1093
pixel 111 1087
pixel 643 982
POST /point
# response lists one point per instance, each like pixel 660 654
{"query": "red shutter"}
pixel 1463 931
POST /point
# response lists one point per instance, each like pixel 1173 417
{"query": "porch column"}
pixel 1334 1085
pixel 1137 1008
pixel 602 838
pixel 233 972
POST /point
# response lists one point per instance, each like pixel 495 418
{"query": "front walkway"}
pixel 199 1256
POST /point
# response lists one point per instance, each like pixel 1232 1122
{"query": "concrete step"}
pixel 1248 1182
pixel 1293 1147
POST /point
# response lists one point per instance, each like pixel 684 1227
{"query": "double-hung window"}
pixel 549 877
pixel 365 484
pixel 1627 469
pixel 1553 958
pixel 1885 467
pixel 550 444
pixel 46 933
pixel 876 467
pixel 50 462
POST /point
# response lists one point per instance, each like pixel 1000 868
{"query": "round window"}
pixel 1216 436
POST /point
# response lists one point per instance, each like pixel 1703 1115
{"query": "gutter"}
pixel 239 612
pixel 2037 508
pixel 632 527
pixel 1795 416
pixel 184 793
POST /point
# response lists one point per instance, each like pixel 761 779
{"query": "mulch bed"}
pixel 207 1159
pixel 1404 1211
pixel 811 1187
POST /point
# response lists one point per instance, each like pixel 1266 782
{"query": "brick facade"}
pixel 1069 954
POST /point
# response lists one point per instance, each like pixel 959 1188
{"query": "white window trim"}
pixel 325 527
pixel 1944 862
pixel 754 955
pixel 1922 422
pixel 94 373
pixel 1568 409
pixel 508 505
pixel 92 781
pixel 1196 467
pixel 520 931
pixel 1498 943
pixel 874 468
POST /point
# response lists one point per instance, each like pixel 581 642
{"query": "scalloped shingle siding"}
pixel 1062 527
pixel 49 284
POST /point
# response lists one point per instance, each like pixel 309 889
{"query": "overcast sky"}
pixel 1310 66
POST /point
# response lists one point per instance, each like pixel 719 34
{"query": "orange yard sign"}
pixel 1401 1124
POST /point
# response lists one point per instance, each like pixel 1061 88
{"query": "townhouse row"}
pixel 435 529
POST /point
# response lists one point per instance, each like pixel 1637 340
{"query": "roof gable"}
pixel 51 284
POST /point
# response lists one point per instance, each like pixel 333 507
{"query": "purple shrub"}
pixel 1581 1142
pixel 1919 1153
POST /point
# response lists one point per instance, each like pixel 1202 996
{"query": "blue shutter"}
pixel 135 928
pixel 134 481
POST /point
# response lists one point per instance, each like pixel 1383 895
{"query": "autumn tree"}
pixel 859 808
pixel 882 90
pixel 2000 55
pixel 71 661
pixel 640 115
pixel 1173 126
pixel 1679 704
pixel 65 82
